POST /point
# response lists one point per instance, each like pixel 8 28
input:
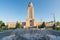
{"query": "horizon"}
pixel 16 10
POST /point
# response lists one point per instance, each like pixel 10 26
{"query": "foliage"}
pixel 58 23
pixel 2 24
pixel 57 28
pixel 39 26
pixel 18 25
pixel 54 26
pixel 4 28
pixel 42 26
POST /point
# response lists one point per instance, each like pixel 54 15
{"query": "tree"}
pixel 39 26
pixel 2 24
pixel 43 25
pixel 58 23
pixel 17 25
pixel 54 26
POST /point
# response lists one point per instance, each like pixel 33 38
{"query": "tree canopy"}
pixel 18 25
pixel 42 26
pixel 58 23
pixel 2 23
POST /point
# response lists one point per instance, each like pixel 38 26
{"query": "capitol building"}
pixel 30 21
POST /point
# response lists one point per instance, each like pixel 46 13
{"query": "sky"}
pixel 16 10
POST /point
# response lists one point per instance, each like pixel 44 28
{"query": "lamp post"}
pixel 54 22
pixel 37 26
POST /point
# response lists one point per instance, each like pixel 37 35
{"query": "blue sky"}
pixel 16 10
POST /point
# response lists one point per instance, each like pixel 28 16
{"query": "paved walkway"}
pixel 30 34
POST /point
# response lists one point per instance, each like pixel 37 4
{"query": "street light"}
pixel 54 22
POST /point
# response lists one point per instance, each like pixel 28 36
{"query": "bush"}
pixel 58 28
pixel 4 28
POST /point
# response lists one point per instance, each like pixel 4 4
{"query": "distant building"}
pixel 30 21
pixel 12 24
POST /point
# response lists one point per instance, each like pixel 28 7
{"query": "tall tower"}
pixel 30 11
pixel 30 19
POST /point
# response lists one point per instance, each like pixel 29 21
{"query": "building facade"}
pixel 30 21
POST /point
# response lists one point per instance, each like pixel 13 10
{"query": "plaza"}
pixel 30 34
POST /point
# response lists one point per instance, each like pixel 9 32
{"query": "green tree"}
pixel 43 25
pixel 54 26
pixel 39 26
pixel 58 23
pixel 2 24
pixel 17 25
